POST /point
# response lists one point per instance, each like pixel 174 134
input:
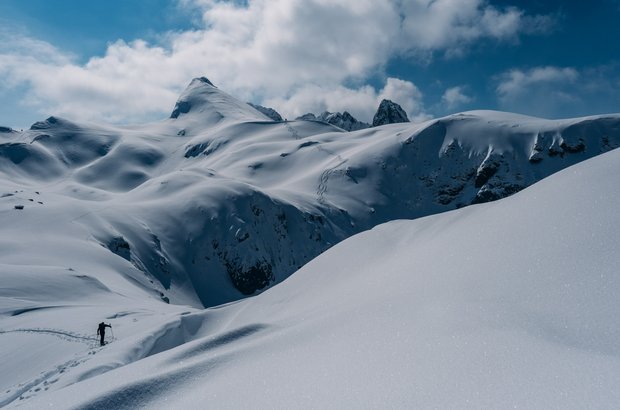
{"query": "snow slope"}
pixel 511 303
pixel 219 202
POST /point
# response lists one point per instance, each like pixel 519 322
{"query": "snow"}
pixel 509 303
pixel 506 304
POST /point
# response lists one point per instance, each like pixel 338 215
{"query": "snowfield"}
pixel 509 303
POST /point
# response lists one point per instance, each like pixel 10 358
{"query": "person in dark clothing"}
pixel 101 331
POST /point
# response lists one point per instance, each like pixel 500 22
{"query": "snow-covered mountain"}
pixel 506 304
pixel 269 112
pixel 218 201
pixel 342 120
pixel 388 112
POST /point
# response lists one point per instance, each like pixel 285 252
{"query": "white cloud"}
pixel 361 102
pixel 516 82
pixel 260 50
pixel 555 92
pixel 452 25
pixel 542 91
pixel 455 96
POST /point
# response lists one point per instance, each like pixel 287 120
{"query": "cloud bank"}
pixel 295 55
pixel 556 92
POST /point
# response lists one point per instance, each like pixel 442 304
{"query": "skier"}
pixel 101 331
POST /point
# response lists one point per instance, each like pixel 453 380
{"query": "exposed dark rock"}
pixel 574 148
pixel 342 120
pixel 449 193
pixel 195 150
pixel 205 80
pixel 488 194
pixel 181 107
pixel 307 117
pixel 119 246
pixel 535 157
pixel 555 149
pixel 486 170
pixel 249 280
pixel 389 113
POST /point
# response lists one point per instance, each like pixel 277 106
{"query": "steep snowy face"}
pixel 269 112
pixel 222 202
pixel 389 113
pixel 202 99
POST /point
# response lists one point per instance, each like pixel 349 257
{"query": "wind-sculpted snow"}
pixel 500 305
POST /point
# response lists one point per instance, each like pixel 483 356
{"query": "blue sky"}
pixel 127 60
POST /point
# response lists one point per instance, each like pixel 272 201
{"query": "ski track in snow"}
pixel 293 131
pixel 324 177
pixel 28 389
pixel 62 334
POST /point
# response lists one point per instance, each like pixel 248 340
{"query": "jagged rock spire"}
pixel 389 113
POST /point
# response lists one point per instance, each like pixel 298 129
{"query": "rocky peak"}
pixel 307 117
pixel 389 113
pixel 269 112
pixel 342 120
pixel 204 80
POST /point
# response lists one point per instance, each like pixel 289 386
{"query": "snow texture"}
pixel 507 304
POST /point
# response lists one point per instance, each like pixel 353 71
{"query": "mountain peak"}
pixel 203 80
pixel 389 113
pixel 343 120
pixel 206 103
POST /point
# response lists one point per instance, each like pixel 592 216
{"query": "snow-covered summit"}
pixel 210 105
pixel 389 112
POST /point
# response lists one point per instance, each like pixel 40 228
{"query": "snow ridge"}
pixel 269 112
